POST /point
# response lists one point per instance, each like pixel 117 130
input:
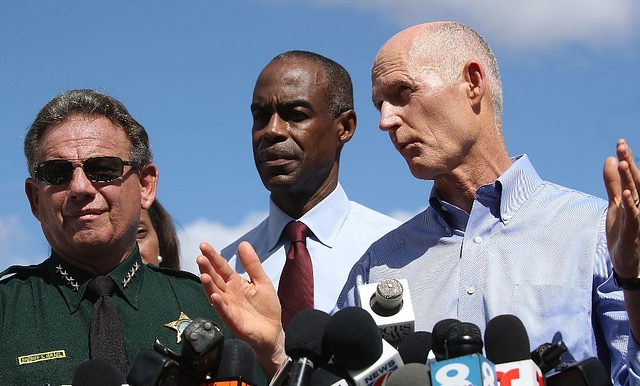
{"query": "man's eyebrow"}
pixel 388 85
pixel 290 103
pixel 259 106
pixel 295 103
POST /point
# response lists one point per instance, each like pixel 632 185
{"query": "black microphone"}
pixel 304 344
pixel 237 364
pixel 331 375
pixel 462 339
pixel 464 363
pixel 97 371
pixel 507 346
pixel 415 347
pixel 353 339
pixel 439 335
pixel 587 372
pixel 411 374
pixel 548 355
pixel 201 349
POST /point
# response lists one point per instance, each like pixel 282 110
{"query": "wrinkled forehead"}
pixel 83 136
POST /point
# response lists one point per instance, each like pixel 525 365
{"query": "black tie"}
pixel 105 337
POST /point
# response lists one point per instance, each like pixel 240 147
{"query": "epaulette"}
pixel 21 272
pixel 174 272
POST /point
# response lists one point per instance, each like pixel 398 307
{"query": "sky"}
pixel 186 70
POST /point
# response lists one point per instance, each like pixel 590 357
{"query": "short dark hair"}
pixel 168 242
pixel 337 82
pixel 85 102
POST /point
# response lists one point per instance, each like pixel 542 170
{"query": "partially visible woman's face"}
pixel 148 240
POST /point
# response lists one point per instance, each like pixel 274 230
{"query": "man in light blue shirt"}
pixel 303 115
pixel 496 238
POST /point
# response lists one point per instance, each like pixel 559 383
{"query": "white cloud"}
pixel 215 233
pixel 519 24
pixel 404 215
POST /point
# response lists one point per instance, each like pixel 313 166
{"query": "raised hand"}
pixel 249 308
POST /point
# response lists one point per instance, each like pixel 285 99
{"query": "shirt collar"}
pixel 518 184
pixel 324 220
pixel 514 187
pixel 72 281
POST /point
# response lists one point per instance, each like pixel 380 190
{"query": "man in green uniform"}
pixel 90 175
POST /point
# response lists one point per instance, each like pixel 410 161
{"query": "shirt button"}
pixel 444 208
pixel 505 217
pixel 477 239
pixel 471 290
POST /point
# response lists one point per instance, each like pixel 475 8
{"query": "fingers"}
pixel 629 174
pixel 611 178
pixel 251 263
pixel 215 263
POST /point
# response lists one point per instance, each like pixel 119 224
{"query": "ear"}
pixel 476 81
pixel 347 124
pixel 31 189
pixel 148 184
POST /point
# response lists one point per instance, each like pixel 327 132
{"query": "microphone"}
pixel 547 355
pixel 587 372
pixel 281 377
pixel 411 374
pixel 304 344
pixel 439 335
pixel 507 345
pixel 331 375
pixel 352 336
pixel 389 303
pixel 415 347
pixel 464 363
pixel 94 371
pixel 237 365
pixel 201 350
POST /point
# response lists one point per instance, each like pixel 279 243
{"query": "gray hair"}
pixel 88 103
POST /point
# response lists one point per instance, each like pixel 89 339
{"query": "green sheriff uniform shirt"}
pixel 45 318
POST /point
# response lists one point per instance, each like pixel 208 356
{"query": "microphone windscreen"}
pixel 330 374
pixel 412 374
pixel 238 360
pixel 439 335
pixel 97 372
pixel 506 340
pixel 463 338
pixel 305 334
pixel 415 347
pixel 353 338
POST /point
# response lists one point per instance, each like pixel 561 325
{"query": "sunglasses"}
pixel 97 169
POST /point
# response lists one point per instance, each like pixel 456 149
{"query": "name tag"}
pixel 40 357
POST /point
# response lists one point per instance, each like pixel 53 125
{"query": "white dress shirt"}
pixel 340 232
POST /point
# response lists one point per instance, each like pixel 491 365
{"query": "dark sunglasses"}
pixel 97 169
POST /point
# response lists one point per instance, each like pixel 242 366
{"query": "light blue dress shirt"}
pixel 341 231
pixel 529 248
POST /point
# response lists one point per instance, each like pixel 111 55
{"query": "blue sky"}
pixel 186 70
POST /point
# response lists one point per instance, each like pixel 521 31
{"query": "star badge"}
pixel 179 325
